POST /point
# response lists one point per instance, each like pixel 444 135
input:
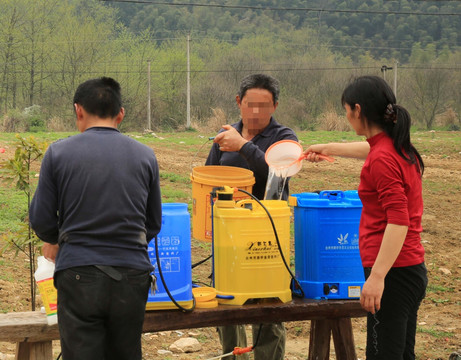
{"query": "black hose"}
pixel 164 283
pixel 201 262
pixel 281 254
pixel 255 343
pixel 298 285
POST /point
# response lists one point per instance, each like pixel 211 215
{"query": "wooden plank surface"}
pixel 265 312
pixel 26 326
pixel 32 326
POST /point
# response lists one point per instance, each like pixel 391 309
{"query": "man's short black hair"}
pixel 260 81
pixel 101 97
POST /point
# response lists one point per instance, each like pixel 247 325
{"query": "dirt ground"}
pixel 439 322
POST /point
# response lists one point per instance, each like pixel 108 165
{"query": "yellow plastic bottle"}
pixel 44 278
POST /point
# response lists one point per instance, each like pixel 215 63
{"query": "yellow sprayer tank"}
pixel 247 262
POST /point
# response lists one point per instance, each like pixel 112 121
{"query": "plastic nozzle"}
pixel 240 351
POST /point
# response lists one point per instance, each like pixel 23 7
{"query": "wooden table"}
pixel 328 317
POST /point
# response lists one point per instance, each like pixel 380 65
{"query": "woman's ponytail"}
pixel 400 134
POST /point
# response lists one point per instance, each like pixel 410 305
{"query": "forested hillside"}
pixel 49 46
pixel 384 28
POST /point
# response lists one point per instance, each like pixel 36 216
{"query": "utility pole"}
pixel 188 82
pixel 148 96
pixel 395 78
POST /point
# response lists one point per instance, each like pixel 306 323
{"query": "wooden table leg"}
pixel 343 338
pixel 42 350
pixel 319 340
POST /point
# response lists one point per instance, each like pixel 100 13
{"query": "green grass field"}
pixel 13 203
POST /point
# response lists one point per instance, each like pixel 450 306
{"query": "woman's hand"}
pixel 372 292
pixel 312 153
pixel 357 150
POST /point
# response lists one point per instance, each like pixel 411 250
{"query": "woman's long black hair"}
pixel 378 106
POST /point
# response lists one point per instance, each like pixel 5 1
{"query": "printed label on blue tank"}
pixel 171 264
pixel 353 291
pixel 344 242
pixel 168 248
pixel 169 240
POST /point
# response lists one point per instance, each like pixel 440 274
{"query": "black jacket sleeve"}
pixel 43 213
pixel 154 205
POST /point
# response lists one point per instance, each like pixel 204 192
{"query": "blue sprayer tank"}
pixel 174 246
pixel 327 258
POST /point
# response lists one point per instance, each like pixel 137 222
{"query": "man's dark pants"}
pixel 101 318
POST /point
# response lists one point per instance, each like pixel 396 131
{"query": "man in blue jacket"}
pixel 244 144
pixel 96 207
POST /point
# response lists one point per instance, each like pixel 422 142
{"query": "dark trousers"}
pixel 101 318
pixel 391 331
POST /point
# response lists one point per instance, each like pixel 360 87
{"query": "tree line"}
pixel 386 28
pixel 48 47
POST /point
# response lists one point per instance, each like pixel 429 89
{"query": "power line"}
pixel 142 63
pixel 296 45
pixel 224 40
pixel 246 7
pixel 428 67
pixel 99 41
pixel 300 45
pixel 142 71
pixel 292 69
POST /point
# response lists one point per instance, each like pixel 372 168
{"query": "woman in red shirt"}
pixel 389 234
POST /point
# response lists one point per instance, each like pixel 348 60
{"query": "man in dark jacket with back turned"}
pixel 96 207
